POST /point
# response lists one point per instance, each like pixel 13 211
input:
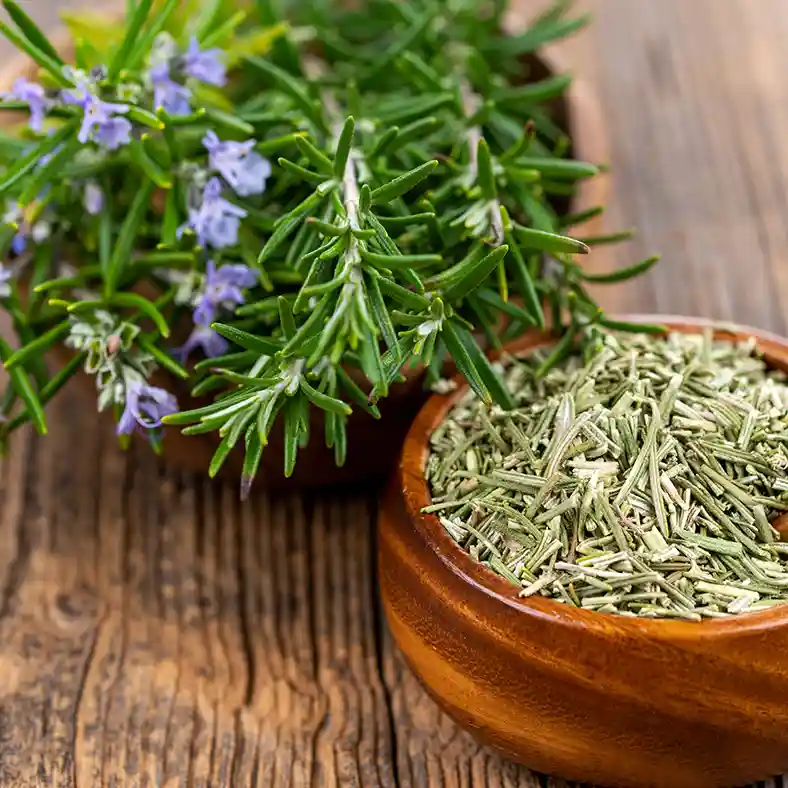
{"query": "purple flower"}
pixel 35 98
pixel 99 123
pixel 113 133
pixel 206 339
pixel 19 242
pixel 14 216
pixel 207 65
pixel 223 288
pixel 38 233
pixel 216 221
pixel 237 162
pixel 146 406
pixel 93 198
pixel 168 94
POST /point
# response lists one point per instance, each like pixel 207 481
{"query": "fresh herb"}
pixel 288 194
pixel 639 481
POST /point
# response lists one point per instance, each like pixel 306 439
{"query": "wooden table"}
pixel 155 632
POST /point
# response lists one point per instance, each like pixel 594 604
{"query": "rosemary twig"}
pixel 299 216
pixel 471 103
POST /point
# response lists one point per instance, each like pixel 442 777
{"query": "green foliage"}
pixel 416 211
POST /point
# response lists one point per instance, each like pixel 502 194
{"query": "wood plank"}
pixel 689 164
pixel 163 634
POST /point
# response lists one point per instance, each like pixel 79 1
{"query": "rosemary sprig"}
pixel 413 202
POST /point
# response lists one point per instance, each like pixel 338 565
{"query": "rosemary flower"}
pixel 34 96
pixel 100 122
pixel 167 93
pixel 216 221
pixel 146 406
pixel 205 65
pixel 237 162
pixel 204 338
pixel 223 289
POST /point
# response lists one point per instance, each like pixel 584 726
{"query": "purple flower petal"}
pixel 127 423
pixel 204 312
pixel 237 162
pixel 113 133
pixel 34 96
pixel 205 65
pixel 217 221
pixel 172 98
pixel 223 288
pixel 19 242
pixel 99 122
pixel 146 406
pixel 168 94
pixel 206 339
pixel 237 274
pixel 213 189
pixel 211 141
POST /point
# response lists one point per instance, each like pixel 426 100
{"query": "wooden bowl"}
pixel 583 695
pixel 373 445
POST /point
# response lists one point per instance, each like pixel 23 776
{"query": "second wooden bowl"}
pixel 586 696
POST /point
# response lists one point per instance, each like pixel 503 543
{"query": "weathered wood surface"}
pixel 154 632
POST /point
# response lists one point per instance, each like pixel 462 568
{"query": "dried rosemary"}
pixel 639 481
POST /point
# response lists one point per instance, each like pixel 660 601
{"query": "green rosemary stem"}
pixel 350 192
pixel 471 104
pixel 353 288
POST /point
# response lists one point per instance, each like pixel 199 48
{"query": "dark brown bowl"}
pixel 586 696
pixel 373 445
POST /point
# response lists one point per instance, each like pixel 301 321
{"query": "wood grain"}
pixel 153 632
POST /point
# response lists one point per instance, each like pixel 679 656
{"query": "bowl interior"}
pixel 417 496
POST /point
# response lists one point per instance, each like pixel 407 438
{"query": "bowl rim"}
pixel 415 492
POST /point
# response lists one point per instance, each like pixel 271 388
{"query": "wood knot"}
pixel 79 605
